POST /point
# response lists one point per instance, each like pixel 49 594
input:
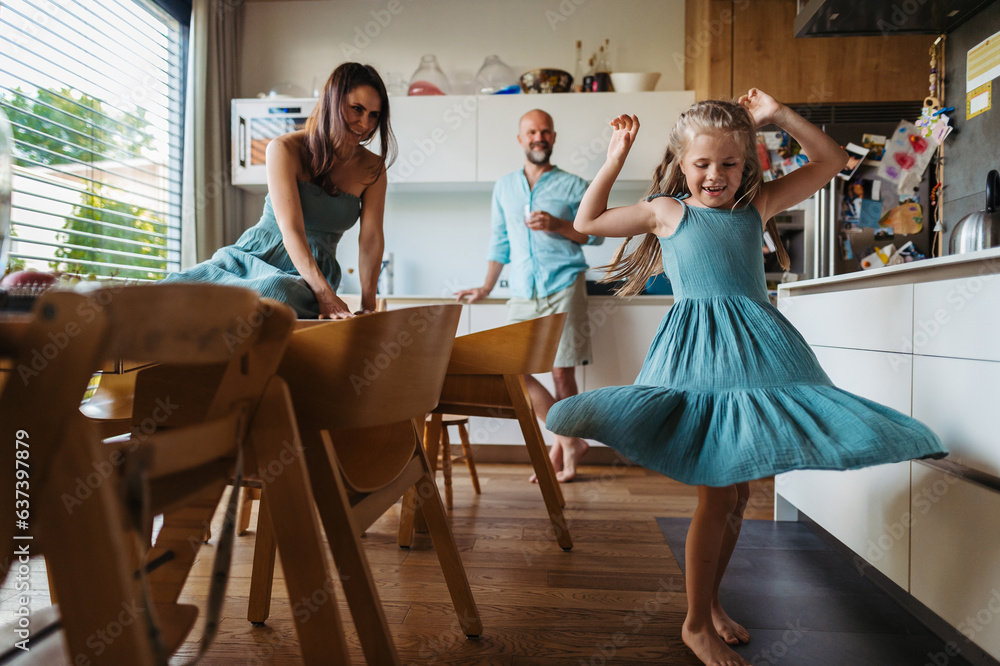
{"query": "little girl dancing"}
pixel 730 391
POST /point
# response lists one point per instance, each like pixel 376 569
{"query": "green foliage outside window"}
pixel 66 128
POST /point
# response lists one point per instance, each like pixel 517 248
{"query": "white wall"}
pixel 297 42
pixel 439 238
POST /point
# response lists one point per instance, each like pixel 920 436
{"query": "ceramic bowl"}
pixel 634 81
pixel 546 81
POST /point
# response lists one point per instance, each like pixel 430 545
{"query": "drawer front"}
pixel 879 319
pixel 621 335
pixel 955 555
pixel 867 515
pixel 958 318
pixel 865 509
pixel 879 376
pixel 960 400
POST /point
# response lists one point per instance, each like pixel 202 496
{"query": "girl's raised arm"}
pixel 826 158
pixel 593 217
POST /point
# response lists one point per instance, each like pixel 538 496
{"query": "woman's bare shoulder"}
pixel 286 152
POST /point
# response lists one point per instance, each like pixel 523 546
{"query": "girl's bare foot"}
pixel 707 645
pixel 729 629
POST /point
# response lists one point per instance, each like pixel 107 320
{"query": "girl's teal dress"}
pixel 730 391
pixel 259 260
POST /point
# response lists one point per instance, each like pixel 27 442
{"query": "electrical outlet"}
pixel 504 284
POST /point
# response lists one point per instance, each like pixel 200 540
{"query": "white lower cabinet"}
pixel 865 509
pixel 868 514
pixel 967 426
pixel 958 317
pixel 879 318
pixel 955 553
pixel 620 334
pixel 927 349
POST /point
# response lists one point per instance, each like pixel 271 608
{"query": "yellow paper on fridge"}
pixel 905 218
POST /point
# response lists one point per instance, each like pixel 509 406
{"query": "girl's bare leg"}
pixel 731 631
pixel 703 555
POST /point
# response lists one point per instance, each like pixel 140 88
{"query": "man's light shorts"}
pixel 574 345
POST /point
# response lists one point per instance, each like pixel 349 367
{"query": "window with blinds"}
pixel 94 92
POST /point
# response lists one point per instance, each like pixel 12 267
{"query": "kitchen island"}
pixel 921 338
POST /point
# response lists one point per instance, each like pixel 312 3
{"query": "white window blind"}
pixel 95 95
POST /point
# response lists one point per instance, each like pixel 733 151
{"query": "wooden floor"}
pixel 617 598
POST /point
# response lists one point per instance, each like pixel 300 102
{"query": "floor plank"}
pixel 616 598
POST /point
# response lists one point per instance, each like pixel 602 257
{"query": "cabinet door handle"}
pixel 242 142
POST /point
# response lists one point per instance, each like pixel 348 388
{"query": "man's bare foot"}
pixel 573 448
pixel 708 646
pixel 556 456
pixel 729 629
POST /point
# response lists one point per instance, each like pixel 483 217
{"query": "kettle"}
pixel 980 230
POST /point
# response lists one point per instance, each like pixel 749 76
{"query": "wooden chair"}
pixel 486 378
pixel 441 423
pixel 252 485
pixel 190 438
pixel 361 388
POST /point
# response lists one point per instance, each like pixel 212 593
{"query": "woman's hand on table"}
pixel 332 307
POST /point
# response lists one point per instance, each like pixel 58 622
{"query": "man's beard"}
pixel 539 156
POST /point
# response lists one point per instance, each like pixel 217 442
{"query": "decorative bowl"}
pixel 546 81
pixel 634 81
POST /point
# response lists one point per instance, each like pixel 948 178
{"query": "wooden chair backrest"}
pixel 178 323
pixel 365 379
pixel 523 348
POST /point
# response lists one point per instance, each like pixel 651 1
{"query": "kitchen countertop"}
pixel 983 262
pixel 638 300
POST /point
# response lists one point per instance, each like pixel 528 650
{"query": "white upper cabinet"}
pixel 456 139
pixel 436 136
pixel 582 130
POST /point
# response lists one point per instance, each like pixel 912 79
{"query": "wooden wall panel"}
pixel 708 55
pixel 823 70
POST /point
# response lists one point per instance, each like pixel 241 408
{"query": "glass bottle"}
pixel 429 79
pixel 602 78
pixel 578 68
pixel 588 78
pixel 496 78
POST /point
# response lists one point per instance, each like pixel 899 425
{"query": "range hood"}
pixel 843 18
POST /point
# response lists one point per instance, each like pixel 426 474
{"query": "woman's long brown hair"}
pixel 637 265
pixel 327 132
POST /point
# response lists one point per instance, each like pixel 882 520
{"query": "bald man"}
pixel 533 211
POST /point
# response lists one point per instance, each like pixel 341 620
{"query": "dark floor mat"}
pixel 805 603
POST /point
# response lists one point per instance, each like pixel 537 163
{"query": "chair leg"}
pixel 449 498
pixel 262 575
pixel 348 553
pixel 407 516
pixel 470 461
pixel 447 552
pixel 296 530
pixel 411 519
pixel 246 506
pixel 539 457
pixel 95 585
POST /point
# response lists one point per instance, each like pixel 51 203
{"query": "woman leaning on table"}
pixel 320 181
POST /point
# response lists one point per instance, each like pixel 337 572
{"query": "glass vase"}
pixel 496 78
pixel 429 79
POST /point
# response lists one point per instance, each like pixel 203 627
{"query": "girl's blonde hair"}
pixel 645 260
